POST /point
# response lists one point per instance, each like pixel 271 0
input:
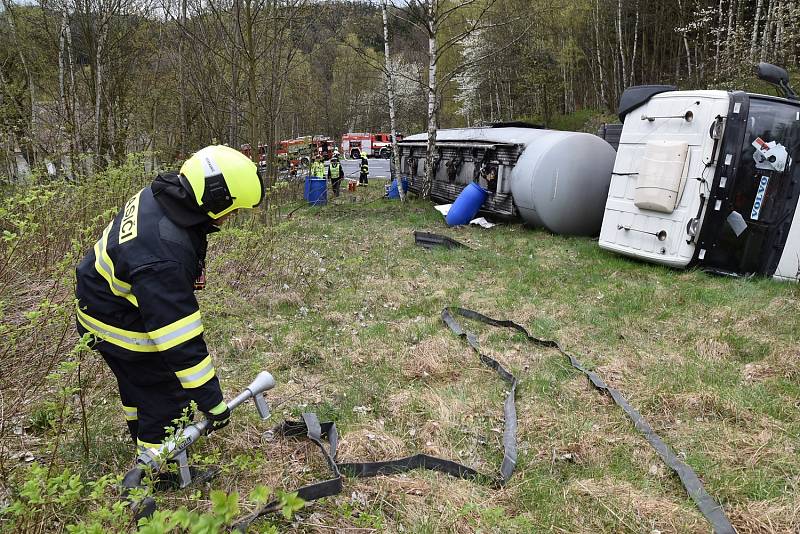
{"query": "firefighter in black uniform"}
pixel 135 291
pixel 335 175
pixel 363 178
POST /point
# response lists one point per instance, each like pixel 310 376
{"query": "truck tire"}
pixel 304 161
pixel 355 154
pixel 385 153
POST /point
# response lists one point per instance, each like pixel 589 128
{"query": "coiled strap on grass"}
pixel 712 511
pixel 319 433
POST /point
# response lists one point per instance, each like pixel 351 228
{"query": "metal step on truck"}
pixel 699 179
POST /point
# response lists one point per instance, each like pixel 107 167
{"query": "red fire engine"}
pixel 374 145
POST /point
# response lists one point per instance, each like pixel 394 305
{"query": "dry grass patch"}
pixel 370 445
pixel 766 517
pixel 398 403
pixel 781 363
pixel 638 510
pixel 432 358
pixel 440 509
pixel 698 406
pixel 713 350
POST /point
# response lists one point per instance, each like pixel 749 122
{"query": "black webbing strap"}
pixel 509 407
pixel 708 506
pixel 316 432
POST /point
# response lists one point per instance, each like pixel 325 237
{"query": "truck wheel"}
pixel 385 153
pixel 304 161
pixel 355 154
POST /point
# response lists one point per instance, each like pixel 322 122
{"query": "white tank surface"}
pixel 553 179
pixel 561 182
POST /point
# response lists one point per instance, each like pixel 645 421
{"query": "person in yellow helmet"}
pixel 363 178
pixel 135 291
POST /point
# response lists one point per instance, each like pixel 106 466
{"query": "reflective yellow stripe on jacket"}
pixel 104 266
pixel 162 339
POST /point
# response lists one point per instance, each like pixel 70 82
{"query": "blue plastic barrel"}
pixel 307 188
pixel 393 192
pixel 318 191
pixel 466 205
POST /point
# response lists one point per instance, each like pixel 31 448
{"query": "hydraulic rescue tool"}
pixel 175 448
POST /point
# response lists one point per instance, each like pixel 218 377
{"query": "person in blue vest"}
pixel 335 175
pixel 135 291
pixel 363 178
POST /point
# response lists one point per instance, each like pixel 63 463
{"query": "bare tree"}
pixel 12 21
pixel 462 19
pixel 253 40
pixel 390 93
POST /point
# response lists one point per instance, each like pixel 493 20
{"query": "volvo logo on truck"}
pixel 762 188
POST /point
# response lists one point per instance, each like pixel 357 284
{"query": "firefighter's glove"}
pixel 218 417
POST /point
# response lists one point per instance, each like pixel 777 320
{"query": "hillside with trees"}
pixel 91 81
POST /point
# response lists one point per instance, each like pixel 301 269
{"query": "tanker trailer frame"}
pixel 458 163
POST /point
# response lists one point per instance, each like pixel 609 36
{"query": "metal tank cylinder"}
pixel 561 181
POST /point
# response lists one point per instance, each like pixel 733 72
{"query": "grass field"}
pixel 343 309
pixel 713 363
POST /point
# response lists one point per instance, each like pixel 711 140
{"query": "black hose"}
pixel 133 480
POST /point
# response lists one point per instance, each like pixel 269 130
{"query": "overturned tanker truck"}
pixel 531 173
pixel 700 178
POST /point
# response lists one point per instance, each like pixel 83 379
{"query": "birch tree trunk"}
pixel 98 86
pixel 719 40
pixel 62 92
pixel 397 175
pixel 729 36
pixel 75 119
pixel 597 51
pixel 635 46
pixel 430 172
pixel 621 43
pixel 754 38
pixel 685 46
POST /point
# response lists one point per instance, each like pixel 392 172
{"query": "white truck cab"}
pixel 707 179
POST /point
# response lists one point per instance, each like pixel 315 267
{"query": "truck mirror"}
pixel 776 76
pixel 771 73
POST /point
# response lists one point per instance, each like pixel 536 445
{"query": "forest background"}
pixel 87 78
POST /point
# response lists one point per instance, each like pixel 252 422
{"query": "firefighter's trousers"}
pixel 152 397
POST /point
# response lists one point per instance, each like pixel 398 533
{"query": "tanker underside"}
pixel 458 164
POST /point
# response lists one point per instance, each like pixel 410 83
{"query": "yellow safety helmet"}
pixel 222 179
